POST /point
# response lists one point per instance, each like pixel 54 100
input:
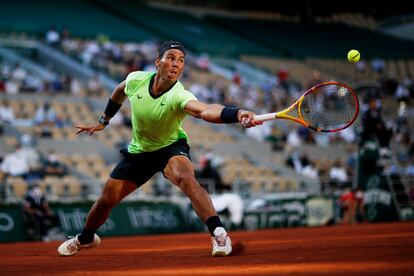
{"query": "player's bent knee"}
pixel 181 179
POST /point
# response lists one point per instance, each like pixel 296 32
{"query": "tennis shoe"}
pixel 221 243
pixel 72 245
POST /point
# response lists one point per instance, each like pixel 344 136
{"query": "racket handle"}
pixel 265 117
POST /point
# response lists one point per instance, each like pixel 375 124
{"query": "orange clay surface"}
pixel 369 249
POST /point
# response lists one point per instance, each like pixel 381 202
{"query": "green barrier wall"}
pixel 379 204
pixel 11 223
pixel 129 218
pixel 125 219
pixel 279 213
pixel 133 218
pixel 378 201
pixel 291 212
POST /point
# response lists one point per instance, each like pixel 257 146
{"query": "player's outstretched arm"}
pixel 217 113
pixel 114 104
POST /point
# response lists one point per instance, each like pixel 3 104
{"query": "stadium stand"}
pixel 300 40
pixel 38 17
pixel 197 34
pixel 254 164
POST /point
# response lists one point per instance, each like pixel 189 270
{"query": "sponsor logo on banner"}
pixel 6 222
pixel 319 211
pixel 74 221
pixel 377 196
pixel 152 218
pixel 374 197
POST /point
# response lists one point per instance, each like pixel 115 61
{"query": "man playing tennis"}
pixel 159 104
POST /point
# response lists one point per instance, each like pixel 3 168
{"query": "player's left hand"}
pixel 246 119
pixel 89 129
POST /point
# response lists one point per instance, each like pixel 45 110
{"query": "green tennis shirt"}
pixel 156 119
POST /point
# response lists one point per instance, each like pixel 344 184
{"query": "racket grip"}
pixel 265 117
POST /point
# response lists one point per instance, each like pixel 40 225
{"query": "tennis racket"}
pixel 326 107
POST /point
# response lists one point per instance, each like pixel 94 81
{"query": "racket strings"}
pixel 329 107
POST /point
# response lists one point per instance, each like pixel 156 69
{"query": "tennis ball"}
pixel 354 56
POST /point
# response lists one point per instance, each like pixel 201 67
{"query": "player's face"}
pixel 171 64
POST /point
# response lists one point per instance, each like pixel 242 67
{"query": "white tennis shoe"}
pixel 72 245
pixel 221 243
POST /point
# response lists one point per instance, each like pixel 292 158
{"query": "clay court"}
pixel 375 249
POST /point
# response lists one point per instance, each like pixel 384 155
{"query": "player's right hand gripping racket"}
pixel 326 107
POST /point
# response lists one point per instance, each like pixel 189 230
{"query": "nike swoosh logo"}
pixel 162 104
pixel 175 45
pixel 139 97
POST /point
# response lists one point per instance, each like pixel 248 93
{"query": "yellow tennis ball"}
pixel 354 56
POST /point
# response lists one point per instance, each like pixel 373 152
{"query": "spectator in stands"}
pixel 12 87
pixel 52 37
pixel 402 93
pixel 159 103
pixel 293 139
pixel 90 50
pixel 348 203
pixel 283 76
pixel 224 200
pixel 65 35
pixel 378 65
pixel 57 84
pixel 373 126
pixel 2 84
pixel 15 164
pixel 259 134
pixel 136 63
pixel 296 160
pixel 306 135
pixel 236 79
pixel 33 157
pixel 94 87
pixel 231 204
pixel 203 62
pixel 360 208
pixel 52 165
pixel 324 167
pixel 351 160
pixel 337 175
pixel 75 87
pixel 310 170
pixel 6 114
pixel 19 74
pixel 206 170
pixel 411 194
pixel 402 120
pixel 45 117
pixel 33 83
pixel 348 134
pixel 38 216
pixel 361 66
pixel 276 138
pixel 315 80
pixel 389 83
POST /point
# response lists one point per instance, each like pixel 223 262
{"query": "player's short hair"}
pixel 170 44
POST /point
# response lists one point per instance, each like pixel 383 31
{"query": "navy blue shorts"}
pixel 140 167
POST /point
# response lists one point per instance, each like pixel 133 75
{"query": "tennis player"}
pixel 159 104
